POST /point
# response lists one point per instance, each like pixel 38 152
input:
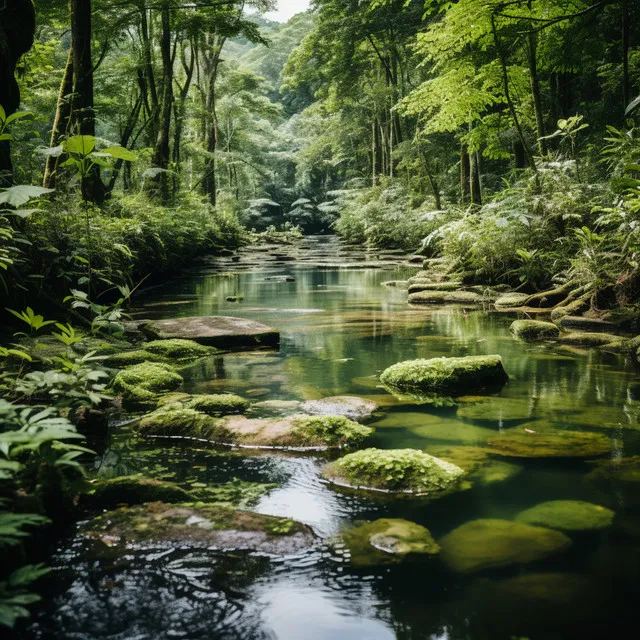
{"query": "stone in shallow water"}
pixel 394 471
pixel 533 330
pixel 497 412
pixel 219 404
pixel 445 375
pixel 517 443
pixel 351 407
pixel 490 544
pixel 388 541
pixel 446 297
pixel 142 383
pixel 210 526
pixel 217 331
pixel 568 515
pixel 512 299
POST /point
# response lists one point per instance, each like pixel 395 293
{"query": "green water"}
pixel 340 328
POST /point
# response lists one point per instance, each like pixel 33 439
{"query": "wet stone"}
pixel 518 443
pixel 351 407
pixel 568 515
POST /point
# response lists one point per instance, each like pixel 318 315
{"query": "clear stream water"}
pixel 340 328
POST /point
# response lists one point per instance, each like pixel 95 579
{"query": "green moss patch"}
pixel 142 383
pixel 497 412
pixel 131 490
pixel 218 404
pixel 388 541
pixel 177 349
pixel 568 515
pixel 445 375
pixel 395 471
pixel 490 544
pixel 533 330
pixel 175 420
pixel 517 443
pixel 589 340
pixel 512 300
pixel 445 297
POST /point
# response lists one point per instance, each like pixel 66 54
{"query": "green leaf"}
pixel 21 194
pixel 80 145
pixel 121 153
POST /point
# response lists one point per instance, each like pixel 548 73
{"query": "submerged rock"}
pixel 446 375
pixel 497 412
pixel 490 544
pixel 557 444
pixel 351 407
pixel 394 471
pixel 617 471
pixel 388 541
pixel 194 525
pixel 532 330
pixel 568 515
pixel 132 490
pixel 217 331
pixel 142 383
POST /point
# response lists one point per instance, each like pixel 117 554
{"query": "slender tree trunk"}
pixel 60 122
pixel 162 152
pixel 626 24
pixel 475 187
pixel 125 138
pixel 82 111
pixel 532 54
pixel 374 153
pixel 465 175
pixel 519 156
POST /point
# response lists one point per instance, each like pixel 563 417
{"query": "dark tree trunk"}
pixel 532 54
pixel 465 175
pixel 626 24
pixel 475 187
pixel 82 110
pixel 519 156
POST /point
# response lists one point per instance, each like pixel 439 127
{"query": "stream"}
pixel 339 329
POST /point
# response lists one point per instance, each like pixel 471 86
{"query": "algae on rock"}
pixel 490 544
pixel 175 420
pixel 555 444
pixel 388 541
pixel 394 471
pixel 142 383
pixel 532 330
pixel 568 515
pixel 217 404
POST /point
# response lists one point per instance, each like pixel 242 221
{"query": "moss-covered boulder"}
pixel 388 541
pixel 217 404
pixel 517 443
pixel 297 431
pixel 453 376
pixel 132 490
pixel 446 297
pixel 624 472
pixel 394 471
pixel 434 286
pixel 512 300
pixel 178 421
pixel 179 350
pixel 142 383
pixel 589 340
pixel 568 515
pixel 130 358
pixel 490 544
pixel 533 330
pixel 208 526
pixel 352 407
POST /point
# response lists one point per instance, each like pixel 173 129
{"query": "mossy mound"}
pixel 512 300
pixel 533 330
pixel 142 383
pixel 445 297
pixel 394 471
pixel 490 544
pixel 589 340
pixel 179 350
pixel 296 431
pixel 178 421
pixel 434 286
pixel 568 515
pixel 197 525
pixel 517 443
pixel 130 358
pixel 445 375
pixel 132 490
pixel 388 541
pixel 619 471
pixel 218 404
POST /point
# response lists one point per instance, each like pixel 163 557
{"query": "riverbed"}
pixel 340 328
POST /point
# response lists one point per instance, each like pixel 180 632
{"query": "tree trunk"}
pixel 626 24
pixel 465 173
pixel 475 187
pixel 519 156
pixel 82 110
pixel 60 123
pixel 532 54
pixel 161 151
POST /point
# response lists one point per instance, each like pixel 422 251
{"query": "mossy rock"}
pixel 142 383
pixel 132 490
pixel 179 350
pixel 179 421
pixel 388 541
pixel 217 404
pixel 517 443
pixel 491 544
pixel 130 358
pixel 434 286
pixel 201 526
pixel 533 330
pixel 498 412
pixel 617 471
pixel 352 407
pixel 445 375
pixel 589 340
pixel 297 431
pixel 512 300
pixel 568 515
pixel 394 471
pixel 446 297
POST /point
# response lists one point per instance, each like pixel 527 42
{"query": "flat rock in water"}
pixel 568 515
pixel 513 299
pixel 517 443
pixel 351 407
pixel 490 544
pixel 217 331
pixel 579 323
pixel 208 526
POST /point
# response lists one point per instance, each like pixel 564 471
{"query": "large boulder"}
pixel 517 443
pixel 388 541
pixel 350 407
pixel 446 375
pixel 568 515
pixel 490 544
pixel 394 471
pixel 534 330
pixel 209 526
pixel 217 331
